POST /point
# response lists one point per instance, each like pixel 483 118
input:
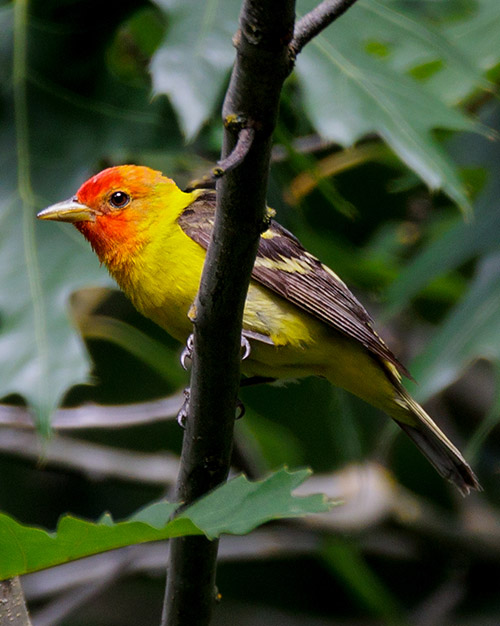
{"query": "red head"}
pixel 115 208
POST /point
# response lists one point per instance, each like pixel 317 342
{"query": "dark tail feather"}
pixel 438 449
pixel 447 461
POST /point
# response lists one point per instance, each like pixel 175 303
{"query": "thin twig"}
pixel 93 459
pixel 97 415
pixel 235 158
pixel 317 20
pixel 238 154
pixel 66 604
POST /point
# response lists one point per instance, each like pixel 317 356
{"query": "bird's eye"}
pixel 119 199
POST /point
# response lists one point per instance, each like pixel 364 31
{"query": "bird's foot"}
pixel 246 348
pixel 187 353
pixel 184 410
pixel 186 357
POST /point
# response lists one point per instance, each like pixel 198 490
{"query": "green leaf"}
pixel 192 64
pixel 51 137
pixel 475 37
pixel 235 507
pixel 462 241
pixel 243 505
pixel 471 331
pixel 349 97
pixel 41 353
pixel 350 92
pixel 348 564
pixel 28 549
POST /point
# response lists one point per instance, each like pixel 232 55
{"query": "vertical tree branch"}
pixel 266 49
pixel 261 66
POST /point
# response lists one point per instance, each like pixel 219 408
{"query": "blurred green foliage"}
pixel 388 125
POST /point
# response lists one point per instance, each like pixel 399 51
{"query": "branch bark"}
pixel 262 51
pixel 264 58
pixel 13 609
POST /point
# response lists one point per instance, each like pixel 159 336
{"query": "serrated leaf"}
pixel 192 64
pixel 28 549
pixel 349 93
pixel 236 507
pixel 243 505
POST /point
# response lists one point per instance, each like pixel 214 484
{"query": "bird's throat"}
pixel 115 240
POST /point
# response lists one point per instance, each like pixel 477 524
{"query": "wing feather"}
pixel 284 266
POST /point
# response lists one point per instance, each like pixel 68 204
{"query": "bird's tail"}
pixel 434 444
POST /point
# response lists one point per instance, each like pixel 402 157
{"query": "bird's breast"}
pixel 162 281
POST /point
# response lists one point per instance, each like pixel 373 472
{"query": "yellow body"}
pixel 163 280
pixel 131 216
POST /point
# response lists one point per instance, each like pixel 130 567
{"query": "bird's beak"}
pixel 69 211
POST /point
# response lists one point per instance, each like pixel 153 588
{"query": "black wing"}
pixel 284 266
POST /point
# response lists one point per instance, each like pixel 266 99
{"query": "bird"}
pixel 300 318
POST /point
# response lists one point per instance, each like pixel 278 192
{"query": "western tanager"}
pixel 300 318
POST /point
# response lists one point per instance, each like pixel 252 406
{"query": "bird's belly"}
pixel 296 343
pixel 341 360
